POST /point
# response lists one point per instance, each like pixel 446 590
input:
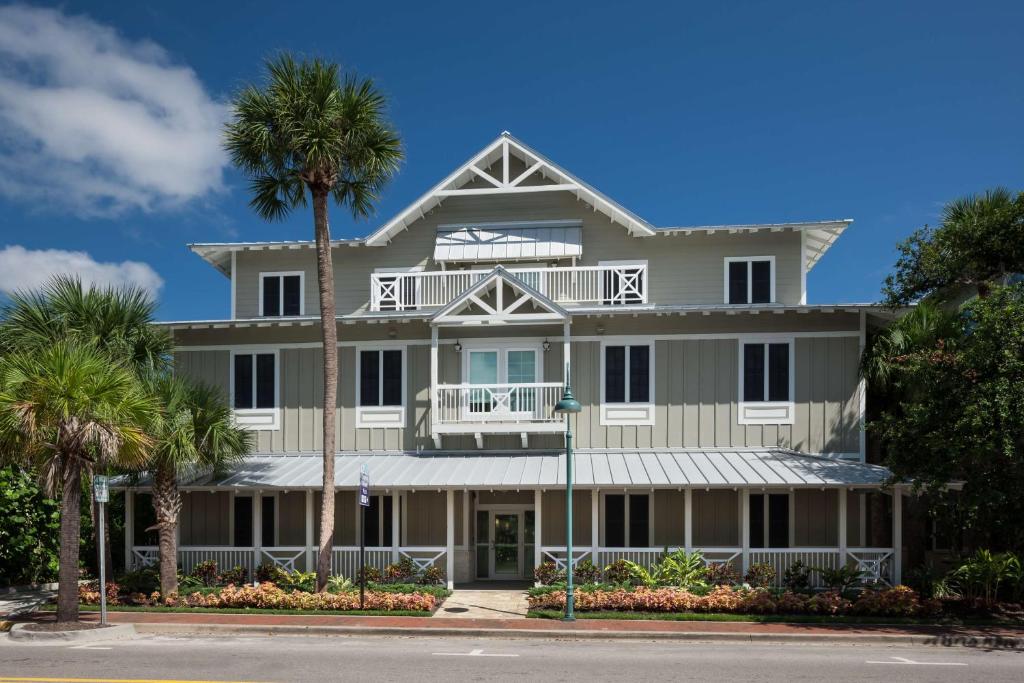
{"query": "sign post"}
pixel 364 502
pixel 101 493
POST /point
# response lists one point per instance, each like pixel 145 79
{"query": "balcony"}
pixel 498 408
pixel 607 285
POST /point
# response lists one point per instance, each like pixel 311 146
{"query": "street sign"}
pixel 101 488
pixel 364 486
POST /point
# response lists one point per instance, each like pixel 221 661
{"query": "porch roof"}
pixel 654 468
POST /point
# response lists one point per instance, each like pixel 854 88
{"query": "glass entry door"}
pixel 507 541
pixel 504 543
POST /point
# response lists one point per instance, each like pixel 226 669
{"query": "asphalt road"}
pixel 288 658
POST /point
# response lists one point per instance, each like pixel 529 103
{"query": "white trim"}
pixel 280 290
pixel 862 393
pixel 639 263
pixel 256 419
pixel 803 268
pixel 234 285
pixel 767 412
pixel 381 416
pixel 568 222
pixel 627 412
pixel 749 260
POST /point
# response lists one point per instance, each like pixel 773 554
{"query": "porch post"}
pixel 538 555
pixel 309 529
pixel 129 528
pixel 745 528
pixel 396 518
pixel 688 520
pixel 450 541
pixel 897 536
pixel 257 527
pixel 595 522
pixel 565 352
pixel 435 418
pixel 465 519
pixel 842 528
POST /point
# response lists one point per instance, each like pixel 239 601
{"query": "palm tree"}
pixel 194 432
pixel 65 410
pixel 311 130
pixel 927 327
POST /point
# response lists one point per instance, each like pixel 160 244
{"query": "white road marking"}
pixel 904 660
pixel 90 647
pixel 471 653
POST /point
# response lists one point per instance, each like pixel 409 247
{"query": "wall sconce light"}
pixel 458 346
pixel 546 345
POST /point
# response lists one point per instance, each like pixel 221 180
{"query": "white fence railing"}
pixel 598 285
pixel 489 403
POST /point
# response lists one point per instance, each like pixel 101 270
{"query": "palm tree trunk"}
pixel 70 528
pixel 328 326
pixel 167 506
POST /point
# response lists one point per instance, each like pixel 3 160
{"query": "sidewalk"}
pixel 270 624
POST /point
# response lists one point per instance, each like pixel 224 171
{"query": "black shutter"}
pixel 272 296
pixel 761 282
pixel 243 381
pixel 639 374
pixel 369 378
pixel 243 522
pixel 292 295
pixel 756 521
pixel 778 520
pixel 615 374
pixel 737 282
pixel 265 394
pixel 615 521
pixel 778 372
pixel 753 372
pixel 392 390
pixel 639 521
pixel 267 520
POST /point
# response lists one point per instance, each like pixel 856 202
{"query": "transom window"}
pixel 750 280
pixel 765 373
pixel 380 377
pixel 281 294
pixel 255 381
pixel 627 520
pixel 627 373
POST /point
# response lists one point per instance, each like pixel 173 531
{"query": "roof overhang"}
pixel 218 254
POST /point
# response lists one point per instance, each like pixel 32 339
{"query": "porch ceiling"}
pixel 656 468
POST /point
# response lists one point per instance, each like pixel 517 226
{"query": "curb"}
pixel 568 634
pixel 112 632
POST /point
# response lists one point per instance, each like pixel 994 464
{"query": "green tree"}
pixel 194 432
pixel 29 528
pixel 979 241
pixel 66 410
pixel 309 129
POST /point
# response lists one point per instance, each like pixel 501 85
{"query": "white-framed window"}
pixel 750 280
pixel 282 293
pixel 500 368
pixel 627 382
pixel 627 520
pixel 624 283
pixel 255 388
pixel 771 519
pixel 380 386
pixel 766 381
pixel 396 289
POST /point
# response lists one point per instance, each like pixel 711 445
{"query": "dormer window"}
pixel 750 280
pixel 281 294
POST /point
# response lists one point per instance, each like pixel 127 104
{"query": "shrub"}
pixel 981 575
pixel 268 571
pixel 299 581
pixel 797 577
pixel 722 574
pixel 840 580
pixel 236 575
pixel 371 574
pixel 432 576
pixel 586 572
pixel 679 568
pixel 899 601
pixel 145 580
pixel 617 572
pixel 206 572
pixel 829 602
pixel 89 593
pixel 758 601
pixel 269 596
pixel 338 584
pixel 29 530
pixel 548 573
pixel 401 572
pixel 791 603
pixel 760 575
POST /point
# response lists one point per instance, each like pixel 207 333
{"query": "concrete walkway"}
pixel 14 604
pixel 485 601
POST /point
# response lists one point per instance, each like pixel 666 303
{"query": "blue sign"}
pixel 364 486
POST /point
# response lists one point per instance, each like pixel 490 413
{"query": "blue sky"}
pixel 687 113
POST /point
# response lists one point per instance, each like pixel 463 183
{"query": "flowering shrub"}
pixel 899 600
pixel 547 573
pixel 236 575
pixel 758 601
pixel 829 602
pixel 372 574
pixel 722 574
pixel 791 603
pixel 432 576
pixel 89 593
pixel 618 572
pixel 268 571
pixel 760 575
pixel 269 596
pixel 586 572
pixel 206 571
pixel 400 572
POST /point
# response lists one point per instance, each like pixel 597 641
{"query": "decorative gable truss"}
pixel 500 298
pixel 508 166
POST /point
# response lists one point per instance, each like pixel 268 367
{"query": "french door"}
pixel 497 378
pixel 504 543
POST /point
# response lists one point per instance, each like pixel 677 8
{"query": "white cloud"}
pixel 98 123
pixel 22 268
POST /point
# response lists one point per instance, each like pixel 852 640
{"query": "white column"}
pixel 862 391
pixel 257 526
pixel 897 535
pixel 688 519
pixel 745 528
pixel 842 527
pixel 310 552
pixel 566 368
pixel 435 417
pixel 129 528
pixel 466 542
pixel 450 541
pixel 595 522
pixel 538 556
pixel 396 518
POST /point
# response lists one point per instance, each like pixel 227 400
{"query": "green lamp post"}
pixel 568 405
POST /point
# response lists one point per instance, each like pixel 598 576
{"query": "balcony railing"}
pixel 596 285
pixel 481 404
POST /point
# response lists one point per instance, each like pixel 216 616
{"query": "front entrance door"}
pixel 506 560
pixel 504 545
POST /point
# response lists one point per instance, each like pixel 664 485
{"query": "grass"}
pixel 231 610
pixel 765 618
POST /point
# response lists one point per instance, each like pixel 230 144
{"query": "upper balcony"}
pixel 602 285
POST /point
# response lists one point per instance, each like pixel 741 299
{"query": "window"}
pixel 766 381
pixel 627 520
pixel 769 519
pixel 750 280
pixel 255 381
pixel 624 282
pixel 627 374
pixel 380 377
pixel 377 522
pixel 281 294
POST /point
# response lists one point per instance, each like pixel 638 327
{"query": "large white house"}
pixel 721 411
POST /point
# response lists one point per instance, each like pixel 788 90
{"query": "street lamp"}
pixel 568 405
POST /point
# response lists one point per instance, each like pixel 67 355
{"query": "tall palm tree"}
pixel 311 129
pixel 195 431
pixel 65 410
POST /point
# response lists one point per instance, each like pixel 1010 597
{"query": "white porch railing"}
pixel 597 285
pixel 498 403
pixel 558 554
pixel 345 560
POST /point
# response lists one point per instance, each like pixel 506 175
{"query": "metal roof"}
pixel 655 468
pixel 509 241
